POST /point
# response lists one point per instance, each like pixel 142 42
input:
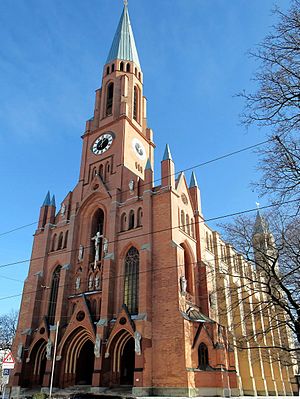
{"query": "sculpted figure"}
pixel 97 239
pixel 48 349
pixel 80 253
pixel 19 353
pixel 137 343
pixel 183 285
pixel 97 347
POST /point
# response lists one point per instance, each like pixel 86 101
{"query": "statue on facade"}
pixel 183 285
pixel 97 282
pixel 131 185
pixel 80 253
pixel 105 245
pixel 97 239
pixel 63 210
pixel 20 353
pixel 90 282
pixel 137 343
pixel 48 349
pixel 97 347
pixel 77 283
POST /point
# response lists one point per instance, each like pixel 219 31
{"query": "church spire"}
pixel 123 46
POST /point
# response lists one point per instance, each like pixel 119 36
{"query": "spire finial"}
pixel 125 3
pixel 257 205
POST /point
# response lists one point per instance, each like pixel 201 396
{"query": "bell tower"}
pixel 117 135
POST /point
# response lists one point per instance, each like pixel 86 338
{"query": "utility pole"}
pixel 53 361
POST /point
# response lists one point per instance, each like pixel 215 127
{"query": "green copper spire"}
pixel 123 46
pixel 52 203
pixel 148 165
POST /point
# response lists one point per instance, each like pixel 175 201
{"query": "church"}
pixel 118 291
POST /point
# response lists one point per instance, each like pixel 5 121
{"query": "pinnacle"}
pixel 47 199
pixel 167 153
pixel 193 182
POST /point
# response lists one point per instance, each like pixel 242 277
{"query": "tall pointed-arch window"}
pixel 131 281
pixel 97 227
pixel 188 270
pixel 135 103
pixel 53 295
pixel 203 356
pixel 109 98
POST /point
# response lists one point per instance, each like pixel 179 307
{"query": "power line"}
pixel 158 179
pixel 156 232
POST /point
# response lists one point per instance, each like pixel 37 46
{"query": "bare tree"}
pixel 266 284
pixel 276 104
pixel 8 325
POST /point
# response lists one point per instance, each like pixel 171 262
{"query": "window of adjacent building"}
pixel 182 221
pixel 109 99
pixel 202 356
pixel 53 295
pixel 131 280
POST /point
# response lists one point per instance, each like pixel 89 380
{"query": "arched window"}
pixel 187 222
pixel 53 242
pixel 128 67
pixel 101 172
pixel 131 220
pixel 131 280
pixel 135 103
pixel 192 228
pixel 135 72
pixel 53 295
pixel 107 167
pixel 107 70
pixel 202 357
pixel 66 239
pixel 188 271
pixel 207 241
pixel 139 75
pixel 60 241
pixel 123 221
pixel 113 68
pixel 122 66
pixel 97 227
pixel 109 98
pixel 182 221
pixel 139 217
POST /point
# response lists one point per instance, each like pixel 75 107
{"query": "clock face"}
pixel 139 149
pixel 102 143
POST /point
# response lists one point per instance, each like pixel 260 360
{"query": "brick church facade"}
pixel 118 272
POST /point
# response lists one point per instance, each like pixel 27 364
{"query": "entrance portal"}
pixel 85 364
pixel 127 363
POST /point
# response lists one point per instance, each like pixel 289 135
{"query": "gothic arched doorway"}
pixel 85 364
pixel 127 363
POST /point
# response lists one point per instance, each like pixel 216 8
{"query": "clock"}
pixel 102 143
pixel 138 148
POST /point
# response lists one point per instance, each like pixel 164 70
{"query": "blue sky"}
pixel 193 55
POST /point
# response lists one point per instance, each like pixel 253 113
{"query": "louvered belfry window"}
pixel 131 280
pixel 53 295
pixel 109 99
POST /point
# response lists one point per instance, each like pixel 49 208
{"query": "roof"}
pixel 123 46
